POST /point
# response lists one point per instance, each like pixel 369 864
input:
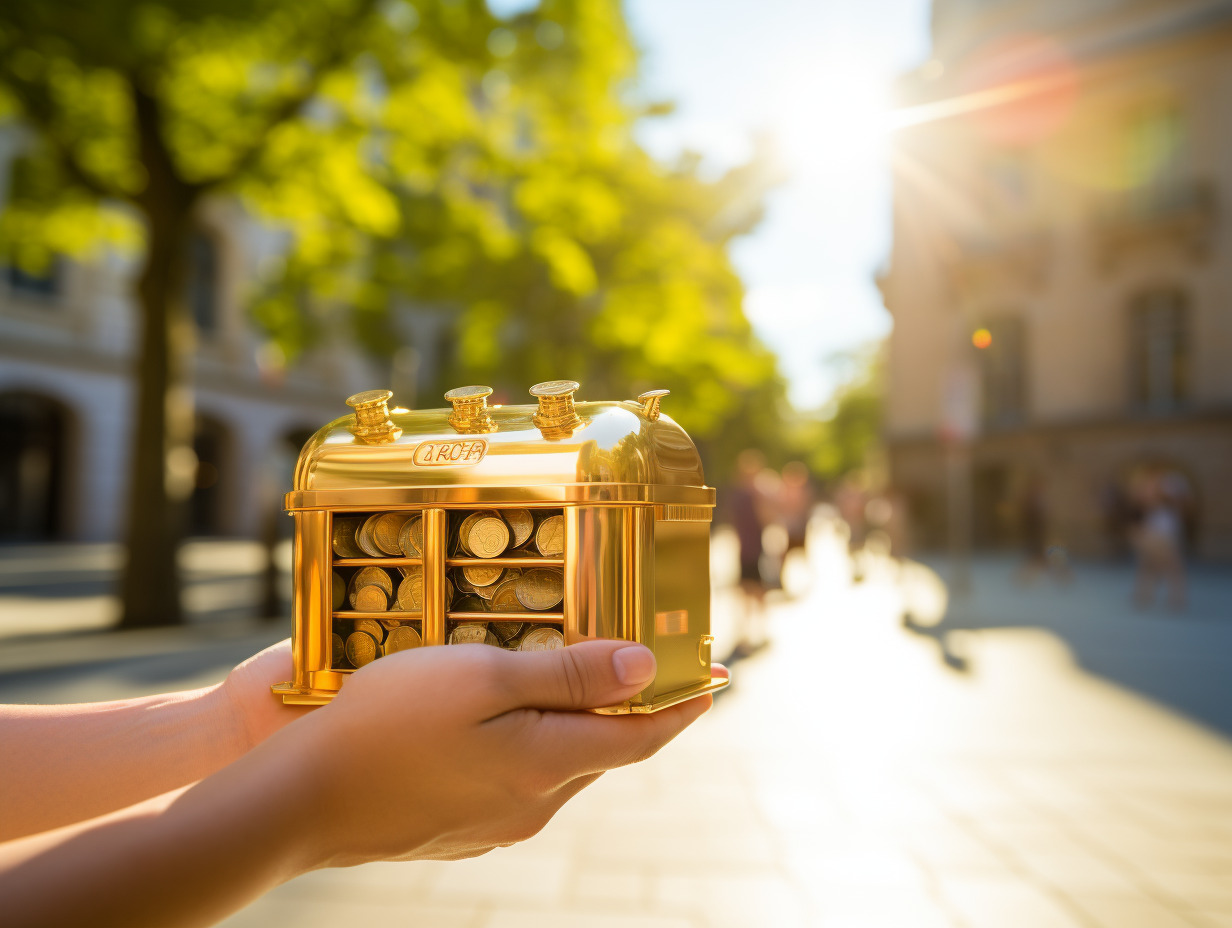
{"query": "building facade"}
pixel 1061 273
pixel 67 359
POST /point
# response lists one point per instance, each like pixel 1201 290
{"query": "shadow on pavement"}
pixel 1183 660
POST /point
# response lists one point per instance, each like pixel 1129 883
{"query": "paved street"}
pixel 1027 758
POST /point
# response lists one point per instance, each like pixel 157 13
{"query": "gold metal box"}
pixel 611 493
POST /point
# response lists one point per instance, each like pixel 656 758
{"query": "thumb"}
pixel 586 675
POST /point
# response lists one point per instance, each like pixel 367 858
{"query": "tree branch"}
pixel 40 111
pixel 293 104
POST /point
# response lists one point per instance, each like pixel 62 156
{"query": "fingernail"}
pixel 633 665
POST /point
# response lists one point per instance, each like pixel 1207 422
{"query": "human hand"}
pixel 246 695
pixel 449 752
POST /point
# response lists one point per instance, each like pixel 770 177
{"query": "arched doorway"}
pixel 33 441
pixel 212 444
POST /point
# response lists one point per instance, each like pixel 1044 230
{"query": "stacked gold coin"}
pixel 357 642
pixel 370 590
pixel 484 534
pixel 512 636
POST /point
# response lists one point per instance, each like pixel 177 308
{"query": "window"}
pixel 1159 351
pixel 43 284
pixel 201 281
pixel 1002 364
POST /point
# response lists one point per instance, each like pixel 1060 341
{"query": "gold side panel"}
pixel 680 618
pixel 607 551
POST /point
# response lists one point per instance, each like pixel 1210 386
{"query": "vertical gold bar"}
pixel 574 627
pixel 311 608
pixel 435 541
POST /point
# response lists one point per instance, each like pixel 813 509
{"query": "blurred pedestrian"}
pixel 795 503
pixel 1038 555
pixel 1163 498
pixel 748 511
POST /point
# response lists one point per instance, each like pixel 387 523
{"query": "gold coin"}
pixel 373 576
pixel 338 650
pixel 360 649
pixel 482 574
pixel 411 593
pixel 363 537
pixel 464 529
pixel 550 536
pixel 344 536
pixel 370 598
pixel 338 589
pixel 488 537
pixel 402 638
pixel 449 593
pixel 540 588
pixel 390 624
pixel 542 639
pixel 521 523
pixel 386 531
pixel 470 603
pixel 507 631
pixel 460 582
pixel 370 576
pixel 371 627
pixel 410 537
pixel 505 597
pixel 469 633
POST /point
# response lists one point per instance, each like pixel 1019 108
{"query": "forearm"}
pixel 64 764
pixel 186 858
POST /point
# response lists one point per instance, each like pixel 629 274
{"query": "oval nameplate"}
pixel 457 451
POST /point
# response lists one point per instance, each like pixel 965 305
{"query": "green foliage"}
pixel 426 155
pixel 845 439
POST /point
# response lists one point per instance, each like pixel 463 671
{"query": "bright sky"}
pixel 816 75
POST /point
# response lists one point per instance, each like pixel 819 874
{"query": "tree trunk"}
pixel 163 468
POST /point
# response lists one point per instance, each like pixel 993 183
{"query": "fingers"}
pixel 582 676
pixel 577 744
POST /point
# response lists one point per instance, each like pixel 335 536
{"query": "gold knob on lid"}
pixel 556 412
pixel 650 402
pixel 372 422
pixel 470 409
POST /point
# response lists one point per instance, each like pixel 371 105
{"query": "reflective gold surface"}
pixel 623 481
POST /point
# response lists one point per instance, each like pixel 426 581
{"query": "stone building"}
pixel 1061 273
pixel 67 346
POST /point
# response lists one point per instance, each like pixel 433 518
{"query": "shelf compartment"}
pixel 401 616
pixel 542 617
pixel 378 561
pixel 505 561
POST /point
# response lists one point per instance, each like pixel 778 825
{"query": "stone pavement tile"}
pixel 1005 904
pixel 1209 892
pixel 1056 788
pixel 867 867
pixel 837 905
pixel 609 887
pixel 517 874
pixel 1130 910
pixel 557 918
pixel 269 912
pixel 734 900
pixel 1152 852
pixel 1078 871
pixel 956 851
pixel 696 843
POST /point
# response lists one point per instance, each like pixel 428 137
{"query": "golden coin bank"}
pixel 521 527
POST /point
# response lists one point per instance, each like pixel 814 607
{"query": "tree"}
pixel 427 152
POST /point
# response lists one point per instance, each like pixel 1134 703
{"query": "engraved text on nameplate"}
pixel 445 453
